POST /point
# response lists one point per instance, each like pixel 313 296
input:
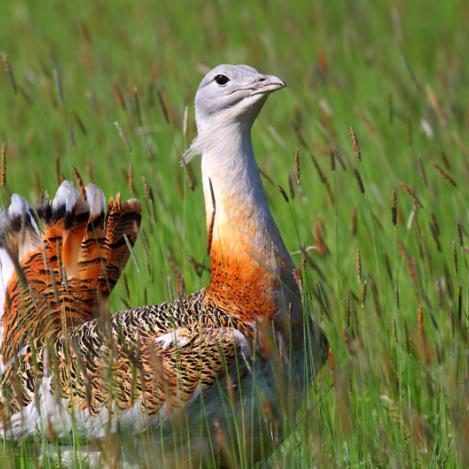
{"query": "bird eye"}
pixel 221 80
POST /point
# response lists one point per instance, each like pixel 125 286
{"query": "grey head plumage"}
pixel 229 95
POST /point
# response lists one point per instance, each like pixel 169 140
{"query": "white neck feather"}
pixel 228 163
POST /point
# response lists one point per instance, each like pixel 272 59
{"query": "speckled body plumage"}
pixel 114 362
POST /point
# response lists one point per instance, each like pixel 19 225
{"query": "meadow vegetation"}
pixel 364 159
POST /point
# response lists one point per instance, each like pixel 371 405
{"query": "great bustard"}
pixel 64 365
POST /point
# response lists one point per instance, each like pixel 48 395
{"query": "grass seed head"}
pixel 131 179
pixel 122 135
pixel 9 72
pixel 284 194
pixel 355 145
pixel 359 180
pixel 460 231
pixel 164 106
pixel 58 172
pixel 394 207
pixel 3 165
pixel 79 122
pixel 411 191
pixel 422 171
pixel 80 184
pixel 149 198
pixel 181 285
pixel 119 95
pixel 58 84
pixel 358 265
pixel 455 257
pixel 363 294
pixel 444 174
pixel 291 185
pixel 137 106
pixel 297 165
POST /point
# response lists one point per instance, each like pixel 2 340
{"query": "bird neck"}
pixel 252 272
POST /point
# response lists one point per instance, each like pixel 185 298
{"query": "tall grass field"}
pixel 365 161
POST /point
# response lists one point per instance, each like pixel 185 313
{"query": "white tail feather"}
pixel 19 235
pixel 22 220
pixel 96 199
pixel 66 196
pixel 20 208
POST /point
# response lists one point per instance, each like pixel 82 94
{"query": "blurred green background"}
pixel 107 87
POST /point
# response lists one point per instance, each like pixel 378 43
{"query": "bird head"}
pixel 232 93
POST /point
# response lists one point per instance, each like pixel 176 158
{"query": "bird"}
pixel 242 344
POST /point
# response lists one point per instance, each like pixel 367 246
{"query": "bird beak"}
pixel 264 84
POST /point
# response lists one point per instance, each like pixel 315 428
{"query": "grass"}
pixel 381 241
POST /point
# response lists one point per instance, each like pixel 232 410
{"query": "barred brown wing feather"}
pixel 156 354
pixel 158 357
